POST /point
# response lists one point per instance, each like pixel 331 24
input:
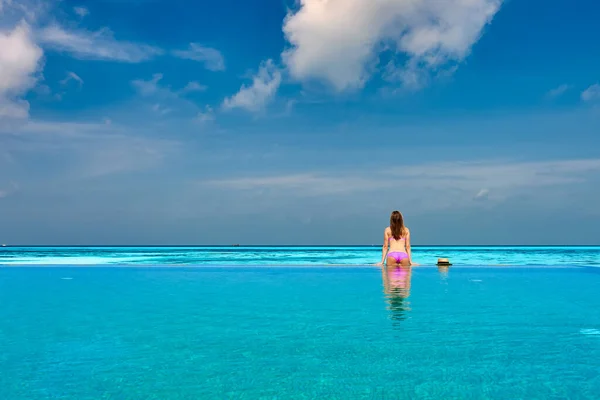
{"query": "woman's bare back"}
pixel 396 245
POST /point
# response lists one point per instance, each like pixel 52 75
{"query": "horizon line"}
pixel 3 245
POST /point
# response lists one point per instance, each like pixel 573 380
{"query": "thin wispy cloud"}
pixel 483 194
pixel 79 151
pixel 63 130
pixel 425 35
pixel 160 109
pixel 444 179
pixel 153 86
pixel 148 87
pixel 558 91
pixel 98 45
pixel 212 59
pixel 207 115
pixel 72 76
pixel 193 87
pixel 81 11
pixel 256 96
pixel 304 184
pixel 592 93
pixel 169 101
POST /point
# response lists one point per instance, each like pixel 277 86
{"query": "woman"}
pixel 396 243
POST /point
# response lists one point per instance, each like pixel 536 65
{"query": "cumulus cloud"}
pixel 20 61
pixel 212 59
pixel 99 45
pixel 256 96
pixel 339 41
pixel 592 93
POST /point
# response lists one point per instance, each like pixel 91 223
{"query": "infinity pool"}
pixel 299 333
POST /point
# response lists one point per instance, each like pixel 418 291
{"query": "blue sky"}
pixel 299 122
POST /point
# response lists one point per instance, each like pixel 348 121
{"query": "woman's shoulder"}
pixel 387 230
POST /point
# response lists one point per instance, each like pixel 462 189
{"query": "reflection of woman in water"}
pixel 396 243
pixel 396 287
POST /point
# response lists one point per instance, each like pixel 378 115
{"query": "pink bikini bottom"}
pixel 398 256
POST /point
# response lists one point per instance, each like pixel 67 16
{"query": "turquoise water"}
pixel 299 333
pixel 245 256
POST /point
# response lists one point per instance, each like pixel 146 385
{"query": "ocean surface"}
pixel 307 256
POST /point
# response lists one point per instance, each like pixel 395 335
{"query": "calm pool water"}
pixel 299 333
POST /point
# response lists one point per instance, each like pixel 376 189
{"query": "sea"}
pixel 296 255
pixel 299 323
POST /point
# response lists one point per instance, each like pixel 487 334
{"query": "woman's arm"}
pixel 408 250
pixel 384 249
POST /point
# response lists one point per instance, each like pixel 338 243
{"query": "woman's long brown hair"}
pixel 397 225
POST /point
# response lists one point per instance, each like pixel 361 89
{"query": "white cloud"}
pixel 206 116
pixel 256 96
pixel 42 90
pixel 483 194
pixel 161 110
pixel 31 11
pixel 72 76
pixel 212 58
pixel 592 93
pixel 165 100
pixel 193 87
pixel 63 130
pixel 338 41
pixel 153 87
pixel 304 184
pixel 436 183
pixel 20 61
pixel 147 88
pixel 500 175
pixel 99 45
pixel 75 151
pixel 81 11
pixel 558 91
